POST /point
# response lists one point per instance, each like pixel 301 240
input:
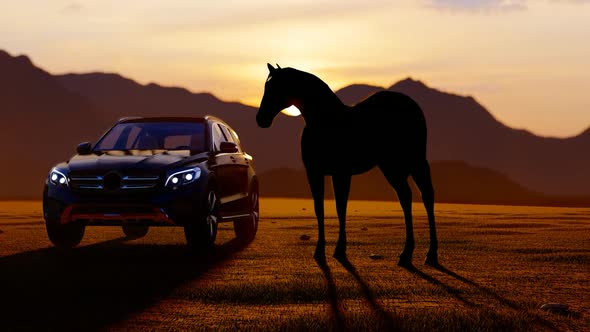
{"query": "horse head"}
pixel 277 96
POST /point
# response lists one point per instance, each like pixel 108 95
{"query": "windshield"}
pixel 154 136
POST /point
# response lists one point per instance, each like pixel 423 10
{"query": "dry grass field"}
pixel 500 265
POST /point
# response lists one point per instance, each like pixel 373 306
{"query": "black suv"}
pixel 143 172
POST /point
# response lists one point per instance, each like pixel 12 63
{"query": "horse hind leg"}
pixel 399 182
pixel 316 184
pixel 421 176
pixel 341 185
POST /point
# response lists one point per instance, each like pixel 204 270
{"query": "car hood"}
pixel 130 160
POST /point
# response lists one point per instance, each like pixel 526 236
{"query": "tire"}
pixel 201 231
pixel 61 235
pixel 246 228
pixel 135 231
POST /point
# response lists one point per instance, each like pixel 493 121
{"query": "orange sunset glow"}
pixel 526 61
pixel 295 165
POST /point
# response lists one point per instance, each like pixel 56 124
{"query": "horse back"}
pixel 396 107
pixel 384 128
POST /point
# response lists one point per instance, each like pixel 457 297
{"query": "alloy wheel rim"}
pixel 211 214
pixel 255 209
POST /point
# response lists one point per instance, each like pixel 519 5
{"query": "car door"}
pixel 225 167
pixel 240 172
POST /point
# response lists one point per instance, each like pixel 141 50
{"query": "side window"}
pixel 232 137
pixel 217 136
pixel 226 133
pixel 236 139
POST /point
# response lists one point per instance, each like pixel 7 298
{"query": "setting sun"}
pixel 291 111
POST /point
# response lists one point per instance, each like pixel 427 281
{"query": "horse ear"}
pixel 278 67
pixel 270 68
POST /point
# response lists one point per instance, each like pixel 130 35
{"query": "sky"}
pixel 527 62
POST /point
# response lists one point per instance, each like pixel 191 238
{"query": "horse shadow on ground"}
pixel 384 319
pixel 389 322
pixel 488 292
pixel 94 286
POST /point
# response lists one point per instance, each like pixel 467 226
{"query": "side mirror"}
pixel 228 147
pixel 84 148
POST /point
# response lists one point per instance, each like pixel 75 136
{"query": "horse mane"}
pixel 314 87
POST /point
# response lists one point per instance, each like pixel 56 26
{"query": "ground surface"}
pixel 500 265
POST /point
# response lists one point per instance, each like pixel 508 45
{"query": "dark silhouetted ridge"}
pixel 42 123
pixel 408 83
pixel 45 116
pixel 459 128
pixel 454 181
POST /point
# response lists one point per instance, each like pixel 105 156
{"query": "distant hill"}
pixel 453 181
pixel 459 128
pixel 36 111
pixel 117 96
pixel 47 115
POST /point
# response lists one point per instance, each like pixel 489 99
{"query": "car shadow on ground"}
pixel 94 286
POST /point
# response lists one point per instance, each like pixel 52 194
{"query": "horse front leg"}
pixel 341 184
pixel 316 184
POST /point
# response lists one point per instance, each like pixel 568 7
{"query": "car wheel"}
pixel 201 233
pixel 135 231
pixel 246 228
pixel 61 235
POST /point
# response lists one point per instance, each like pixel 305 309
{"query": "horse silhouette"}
pixel 388 130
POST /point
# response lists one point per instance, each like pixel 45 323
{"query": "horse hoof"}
pixel 404 262
pixel 340 254
pixel 319 254
pixel 405 259
pixel 432 261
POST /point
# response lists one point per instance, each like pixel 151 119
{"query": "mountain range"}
pixel 44 116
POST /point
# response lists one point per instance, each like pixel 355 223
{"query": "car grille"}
pixel 113 181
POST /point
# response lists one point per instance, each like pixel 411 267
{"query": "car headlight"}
pixel 180 178
pixel 58 178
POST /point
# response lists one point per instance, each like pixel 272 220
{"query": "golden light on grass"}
pixel 291 111
pixel 496 273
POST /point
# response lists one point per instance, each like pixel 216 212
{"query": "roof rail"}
pixel 126 118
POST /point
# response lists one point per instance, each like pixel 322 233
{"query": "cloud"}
pixel 73 7
pixel 478 5
pixel 574 1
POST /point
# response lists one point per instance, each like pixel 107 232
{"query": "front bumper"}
pixel 115 215
pixel 154 208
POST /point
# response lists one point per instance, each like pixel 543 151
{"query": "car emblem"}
pixel 112 181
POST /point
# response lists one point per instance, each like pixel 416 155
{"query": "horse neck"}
pixel 320 106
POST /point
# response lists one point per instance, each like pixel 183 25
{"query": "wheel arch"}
pixel 254 183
